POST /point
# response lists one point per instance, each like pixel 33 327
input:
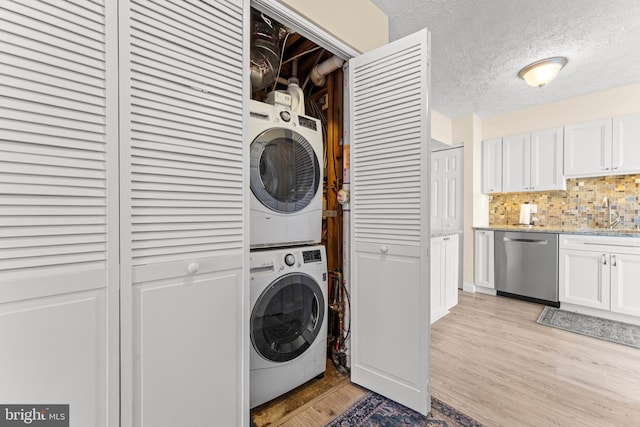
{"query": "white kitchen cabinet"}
pixel 533 161
pixel 484 259
pixel 601 272
pixel 444 275
pixel 584 278
pixel 626 144
pixel 625 283
pixel 447 190
pixel 492 165
pixel 587 149
pixel 603 147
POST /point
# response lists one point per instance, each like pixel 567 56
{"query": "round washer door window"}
pixel 285 173
pixel 287 317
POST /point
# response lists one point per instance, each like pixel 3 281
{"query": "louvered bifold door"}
pixel 390 175
pixel 59 208
pixel 183 67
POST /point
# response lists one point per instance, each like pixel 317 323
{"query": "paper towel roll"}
pixel 525 214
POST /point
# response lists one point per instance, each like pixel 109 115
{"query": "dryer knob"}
pixel 285 116
pixel 289 259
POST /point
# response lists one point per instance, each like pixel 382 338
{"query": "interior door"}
pixel 59 208
pixel 389 135
pixel 184 181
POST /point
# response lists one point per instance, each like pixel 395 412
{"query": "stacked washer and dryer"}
pixel 288 267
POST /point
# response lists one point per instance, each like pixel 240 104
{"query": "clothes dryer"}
pixel 288 320
pixel 286 168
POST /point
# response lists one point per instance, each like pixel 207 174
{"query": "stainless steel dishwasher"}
pixel 526 266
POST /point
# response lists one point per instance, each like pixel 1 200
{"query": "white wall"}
pixel 441 128
pixel 358 23
pixel 594 106
pixel 467 130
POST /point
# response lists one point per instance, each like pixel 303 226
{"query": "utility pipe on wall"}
pixel 319 72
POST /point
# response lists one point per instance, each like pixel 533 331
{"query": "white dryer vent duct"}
pixel 265 52
pixel 319 72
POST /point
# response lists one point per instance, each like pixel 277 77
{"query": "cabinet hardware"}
pixel 193 268
pixel 604 259
pixel 384 249
pixel 614 262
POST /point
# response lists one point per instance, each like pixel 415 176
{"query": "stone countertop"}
pixel 559 230
pixel 445 233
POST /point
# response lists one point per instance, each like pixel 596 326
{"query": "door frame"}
pixel 305 27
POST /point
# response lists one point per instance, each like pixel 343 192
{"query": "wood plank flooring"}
pixel 492 361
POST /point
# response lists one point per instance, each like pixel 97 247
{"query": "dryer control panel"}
pixel 312 256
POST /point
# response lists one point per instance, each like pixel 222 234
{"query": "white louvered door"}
pixel 59 207
pixel 184 301
pixel 389 133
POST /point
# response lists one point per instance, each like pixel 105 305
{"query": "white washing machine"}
pixel 288 320
pixel 286 169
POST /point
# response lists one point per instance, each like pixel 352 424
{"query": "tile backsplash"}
pixel 580 206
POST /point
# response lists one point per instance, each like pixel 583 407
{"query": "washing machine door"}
pixel 287 317
pixel 285 173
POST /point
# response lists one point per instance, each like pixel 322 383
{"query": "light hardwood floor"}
pixel 492 361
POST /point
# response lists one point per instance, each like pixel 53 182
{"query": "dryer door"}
pixel 287 317
pixel 285 173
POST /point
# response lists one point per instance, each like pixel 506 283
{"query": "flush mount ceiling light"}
pixel 542 72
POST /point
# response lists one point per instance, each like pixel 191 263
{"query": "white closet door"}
pixel 59 207
pixel 183 168
pixel 389 134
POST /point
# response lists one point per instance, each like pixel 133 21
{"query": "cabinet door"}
pixel 452 189
pixel 492 166
pixel 59 208
pixel 584 278
pixel 626 144
pixel 437 278
pixel 484 261
pixel 516 165
pixel 451 262
pixel 587 149
pixel 184 293
pixel 390 219
pixel 547 160
pixel 437 186
pixel 625 287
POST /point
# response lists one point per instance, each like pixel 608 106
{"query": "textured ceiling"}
pixel 478 47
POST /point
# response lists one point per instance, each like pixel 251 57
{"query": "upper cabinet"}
pixel 533 161
pixel 492 165
pixel 447 190
pixel 587 149
pixel 524 162
pixel 603 147
pixel 625 152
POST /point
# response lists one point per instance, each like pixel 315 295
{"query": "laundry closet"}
pixel 127 209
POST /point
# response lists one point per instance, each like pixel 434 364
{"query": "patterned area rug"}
pixel 605 329
pixel 373 410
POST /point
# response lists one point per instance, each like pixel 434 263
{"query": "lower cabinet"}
pixel 484 268
pixel 600 272
pixel 444 274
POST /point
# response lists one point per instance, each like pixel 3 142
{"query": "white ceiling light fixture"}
pixel 542 72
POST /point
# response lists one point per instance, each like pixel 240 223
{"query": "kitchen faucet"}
pixel 606 203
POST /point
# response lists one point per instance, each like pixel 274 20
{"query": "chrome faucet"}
pixel 607 204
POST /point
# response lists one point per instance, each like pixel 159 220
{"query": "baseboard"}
pixel 473 288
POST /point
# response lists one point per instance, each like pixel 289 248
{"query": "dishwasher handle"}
pixel 534 241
